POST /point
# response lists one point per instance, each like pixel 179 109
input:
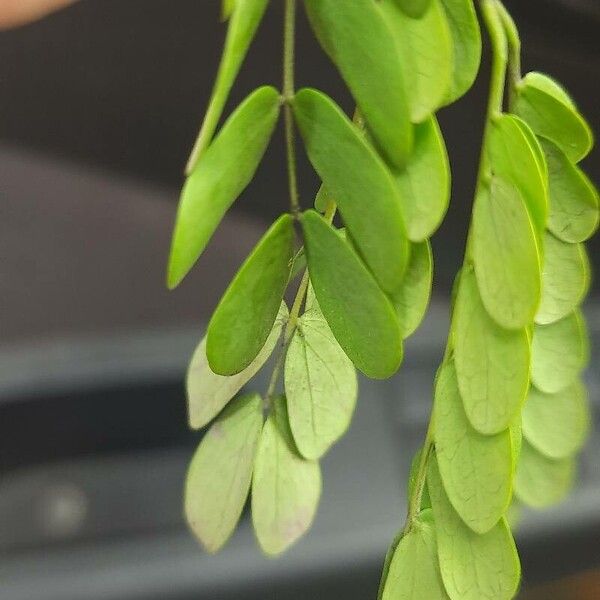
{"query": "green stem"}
pixel 514 51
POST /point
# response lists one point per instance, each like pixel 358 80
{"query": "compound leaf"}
pixel 473 566
pixel 476 469
pixel 542 482
pixel 245 315
pixel 557 424
pixel 559 353
pixel 361 184
pixel 551 117
pixel 208 393
pixel 412 298
pixel 505 253
pixel 492 363
pixel 320 384
pixel 565 279
pixel 425 182
pixel 285 488
pixel 219 177
pixel 414 572
pixel 219 475
pixel 361 44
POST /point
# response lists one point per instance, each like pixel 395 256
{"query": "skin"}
pixel 14 13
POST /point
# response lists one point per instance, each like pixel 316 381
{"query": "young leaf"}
pixel 476 469
pixel 550 117
pixel 536 146
pixel 514 159
pixel 208 392
pixel 492 363
pixel 285 488
pixel 557 424
pixel 506 257
pixel 574 210
pixel 414 8
pixel 473 566
pixel 219 476
pixel 565 279
pixel 360 43
pixel 412 298
pixel 426 48
pixel 414 572
pixel 559 353
pixel 425 182
pixel 245 16
pixel 320 385
pixel 542 482
pixel 466 36
pixel 359 181
pixel 220 176
pixel 245 315
pixel 543 82
pixel 360 315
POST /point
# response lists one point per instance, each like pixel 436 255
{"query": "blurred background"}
pixel 99 107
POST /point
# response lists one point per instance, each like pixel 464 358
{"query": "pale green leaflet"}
pixel 414 8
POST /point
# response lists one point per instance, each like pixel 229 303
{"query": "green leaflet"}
pixel 208 392
pixel 425 182
pixel 547 84
pixel 360 315
pixel 360 43
pixel 559 353
pixel 414 8
pixel 492 363
pixel 506 257
pixel 565 279
pixel 476 469
pixel 322 199
pixel 414 572
pixel 320 385
pixel 360 183
pixel 412 298
pixel 513 158
pixel 516 439
pixel 536 146
pixel 245 315
pixel 550 117
pixel 219 475
pixel 473 566
pixel 542 482
pixel 557 424
pixel 427 56
pixel 245 17
pixel 573 198
pixel 285 487
pixel 220 176
pixel 466 36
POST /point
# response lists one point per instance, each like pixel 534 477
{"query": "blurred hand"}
pixel 18 12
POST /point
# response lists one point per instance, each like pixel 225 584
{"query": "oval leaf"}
pixel 476 469
pixel 565 279
pixel 244 318
pixel 466 36
pixel 412 298
pixel 360 315
pixel 320 384
pixel 557 424
pixel 542 482
pixel 574 210
pixel 543 82
pixel 360 183
pixel 219 476
pixel 492 363
pixel 221 175
pixel 360 43
pixel 507 262
pixel 285 488
pixel 473 566
pixel 426 48
pixel 414 571
pixel 552 118
pixel 208 393
pixel 425 183
pixel 559 353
